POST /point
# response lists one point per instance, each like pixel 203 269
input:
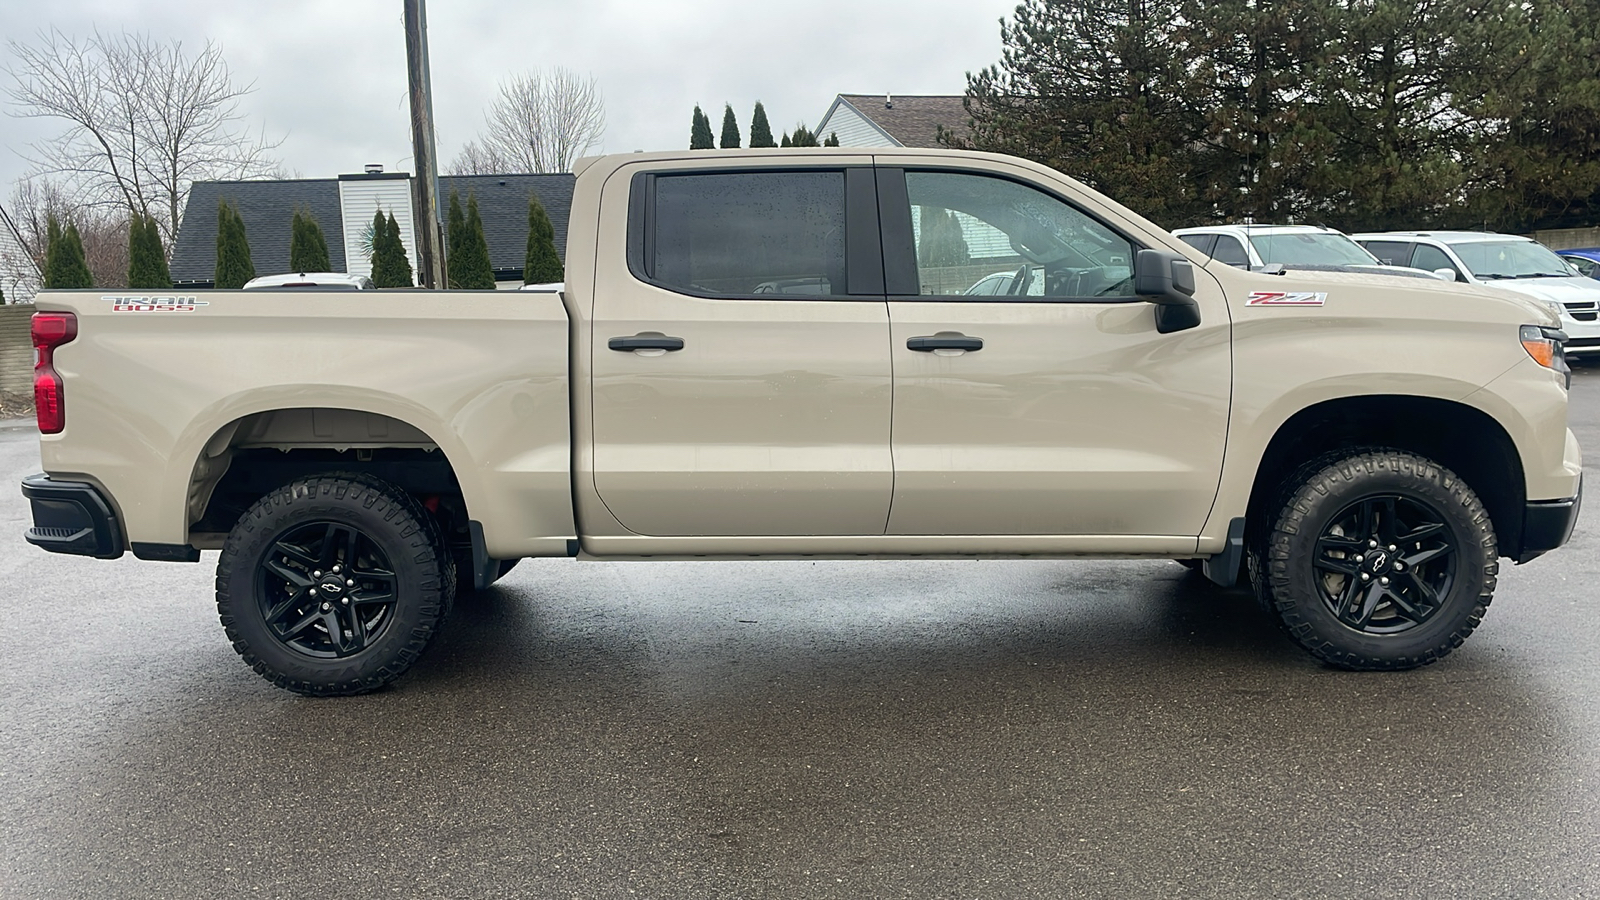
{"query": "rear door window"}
pixel 1390 253
pixel 747 234
pixel 1202 242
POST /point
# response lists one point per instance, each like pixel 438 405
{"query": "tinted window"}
pixel 1201 242
pixel 970 227
pixel 1431 258
pixel 1390 253
pixel 778 234
pixel 1230 251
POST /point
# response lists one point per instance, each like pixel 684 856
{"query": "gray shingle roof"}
pixel 914 119
pixel 268 208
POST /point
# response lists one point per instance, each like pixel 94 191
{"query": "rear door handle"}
pixel 944 340
pixel 646 340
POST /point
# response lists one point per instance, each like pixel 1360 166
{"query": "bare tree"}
pixel 541 122
pixel 145 120
pixel 103 227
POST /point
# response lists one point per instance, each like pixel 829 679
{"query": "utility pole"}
pixel 425 189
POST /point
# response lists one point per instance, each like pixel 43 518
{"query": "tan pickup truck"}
pixel 814 353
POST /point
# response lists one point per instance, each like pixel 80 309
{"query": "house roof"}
pixel 911 119
pixel 267 208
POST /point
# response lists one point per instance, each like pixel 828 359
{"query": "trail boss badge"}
pixel 1286 298
pixel 155 304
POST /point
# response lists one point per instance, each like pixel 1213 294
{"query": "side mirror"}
pixel 1167 280
pixel 1445 274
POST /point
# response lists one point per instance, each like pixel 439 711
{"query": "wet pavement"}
pixel 796 729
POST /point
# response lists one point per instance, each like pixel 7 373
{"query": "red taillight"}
pixel 50 330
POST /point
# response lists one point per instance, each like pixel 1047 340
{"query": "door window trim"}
pixel 863 255
pixel 900 249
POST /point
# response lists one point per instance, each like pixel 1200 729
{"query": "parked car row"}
pixel 1565 282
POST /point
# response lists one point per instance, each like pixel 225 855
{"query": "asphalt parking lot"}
pixel 795 729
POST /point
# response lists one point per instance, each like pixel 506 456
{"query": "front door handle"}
pixel 646 340
pixel 944 340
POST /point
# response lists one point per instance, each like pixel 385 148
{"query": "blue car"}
pixel 1586 260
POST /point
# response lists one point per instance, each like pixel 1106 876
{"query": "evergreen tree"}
pixel 942 242
pixel 308 249
pixel 471 269
pixel 786 141
pixel 760 130
pixel 455 234
pixel 65 266
pixel 147 260
pixel 543 263
pixel 803 137
pixel 1096 90
pixel 832 141
pixel 390 266
pixel 234 266
pixel 730 129
pixel 700 134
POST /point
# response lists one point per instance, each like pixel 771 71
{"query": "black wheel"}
pixel 1380 560
pixel 333 585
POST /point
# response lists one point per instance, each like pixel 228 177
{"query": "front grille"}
pixel 1574 342
pixel 1586 316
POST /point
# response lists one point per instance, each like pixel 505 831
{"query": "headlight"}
pixel 1556 308
pixel 1544 345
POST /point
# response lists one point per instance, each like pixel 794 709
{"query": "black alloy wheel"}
pixel 1385 563
pixel 1378 560
pixel 326 589
pixel 334 584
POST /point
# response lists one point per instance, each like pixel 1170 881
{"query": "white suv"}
pixel 1504 261
pixel 1304 247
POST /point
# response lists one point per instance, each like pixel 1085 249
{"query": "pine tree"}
pixel 390 266
pixel 64 260
pixel 234 266
pixel 455 235
pixel 942 242
pixel 471 269
pixel 730 129
pixel 147 260
pixel 760 130
pixel 700 132
pixel 803 137
pixel 786 141
pixel 832 141
pixel 308 249
pixel 543 263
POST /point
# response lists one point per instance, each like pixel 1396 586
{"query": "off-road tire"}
pixel 389 526
pixel 1325 505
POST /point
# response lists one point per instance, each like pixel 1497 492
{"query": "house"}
pixel 344 207
pixel 19 273
pixel 885 120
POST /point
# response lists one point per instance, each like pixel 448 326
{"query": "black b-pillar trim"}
pixel 863 254
pixel 899 242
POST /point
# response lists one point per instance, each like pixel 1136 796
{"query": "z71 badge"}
pixel 155 304
pixel 1286 298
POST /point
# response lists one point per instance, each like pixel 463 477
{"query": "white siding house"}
pixel 360 197
pixel 19 276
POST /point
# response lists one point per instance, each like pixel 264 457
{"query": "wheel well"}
pixel 252 456
pixel 1458 437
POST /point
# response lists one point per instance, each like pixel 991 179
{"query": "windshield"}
pixel 1510 259
pixel 1311 248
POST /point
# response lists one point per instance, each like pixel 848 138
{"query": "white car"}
pixel 1303 247
pixel 1505 261
pixel 321 281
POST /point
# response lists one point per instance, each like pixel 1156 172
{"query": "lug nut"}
pixel 1399 566
pixel 349 582
pixel 1383 580
pixel 1360 558
pixel 1365 577
pixel 317 574
pixel 336 568
pixel 327 606
pixel 1392 548
pixel 345 600
pixel 313 592
pixel 1372 543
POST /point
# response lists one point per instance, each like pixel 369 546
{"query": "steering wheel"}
pixel 1021 280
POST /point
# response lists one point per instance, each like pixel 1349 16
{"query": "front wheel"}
pixel 1380 560
pixel 333 585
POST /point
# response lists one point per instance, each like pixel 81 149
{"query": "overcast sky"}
pixel 330 76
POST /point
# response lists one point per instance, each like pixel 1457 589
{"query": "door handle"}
pixel 944 340
pixel 646 340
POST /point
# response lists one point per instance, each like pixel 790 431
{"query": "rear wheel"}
pixel 1380 560
pixel 333 585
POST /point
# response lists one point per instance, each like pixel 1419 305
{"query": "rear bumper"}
pixel 71 517
pixel 1547 524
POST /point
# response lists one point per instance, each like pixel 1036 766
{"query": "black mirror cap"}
pixel 1167 280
